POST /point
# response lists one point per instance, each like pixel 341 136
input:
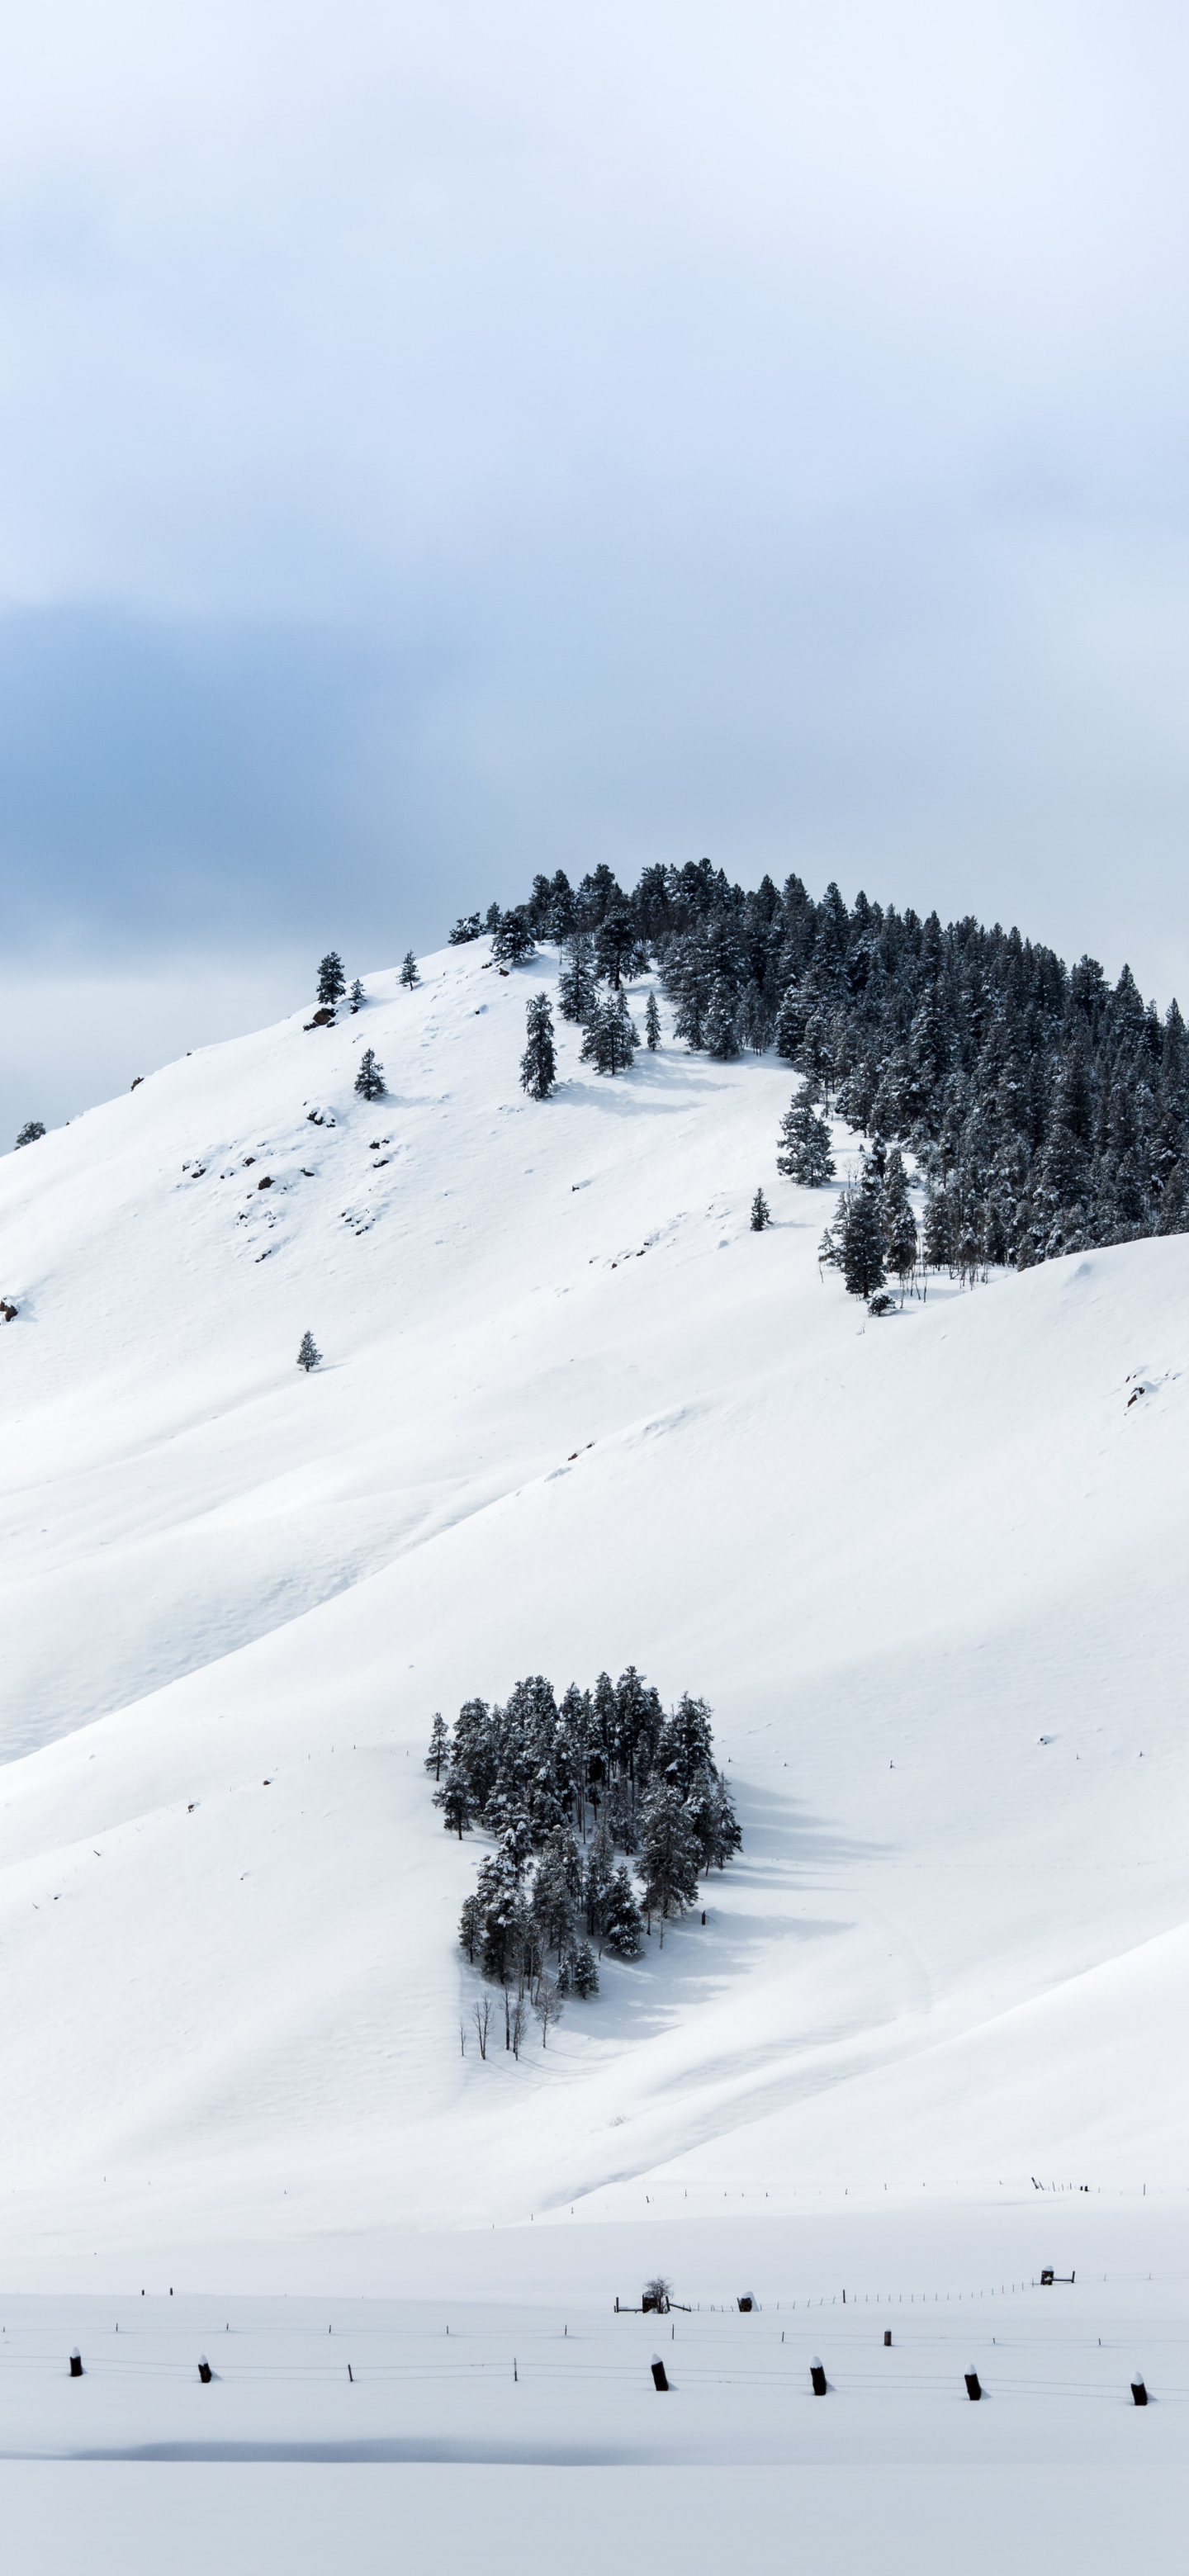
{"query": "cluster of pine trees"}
pixel 1047 1110
pixel 584 1800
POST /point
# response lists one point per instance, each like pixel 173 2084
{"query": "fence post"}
pixel 818 2376
pixel 973 2388
pixel 659 2378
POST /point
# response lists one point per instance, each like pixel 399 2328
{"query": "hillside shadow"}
pixel 786 1848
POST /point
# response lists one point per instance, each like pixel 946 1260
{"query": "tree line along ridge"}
pixel 1047 1110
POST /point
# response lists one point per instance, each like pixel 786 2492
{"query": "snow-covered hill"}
pixel 572 1413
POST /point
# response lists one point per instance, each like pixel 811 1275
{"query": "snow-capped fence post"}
pixel 1138 2390
pixel 659 2375
pixel 887 2336
pixel 76 2367
pixel 205 2372
pixel 973 2385
pixel 818 2376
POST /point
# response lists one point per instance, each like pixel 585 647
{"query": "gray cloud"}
pixel 441 443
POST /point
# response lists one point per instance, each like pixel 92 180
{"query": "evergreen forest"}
pixel 1047 1110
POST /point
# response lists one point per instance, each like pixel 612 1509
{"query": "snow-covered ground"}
pixel 572 1413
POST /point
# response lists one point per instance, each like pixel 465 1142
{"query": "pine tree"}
pixel 356 995
pixel 720 1035
pixel 804 1154
pixel 862 1245
pixel 761 1214
pixel 584 1976
pixel 553 1896
pixel 309 1355
pixel 470 1929
pixel 600 1871
pixel 790 1023
pixel 513 940
pixel 439 1745
pixel 369 1081
pixel 621 1917
pixel 455 1798
pixel 899 1223
pixel 612 1038
pixel 30 1132
pixel 614 945
pixel 577 991
pixel 538 1064
pixel 332 983
pixel 409 975
pixel 668 1852
pixel 652 1024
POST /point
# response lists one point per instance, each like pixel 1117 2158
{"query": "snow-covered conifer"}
pixel 761 1214
pixel 652 1024
pixel 584 1976
pixel 309 1354
pixel 804 1144
pixel 470 1928
pixel 577 991
pixel 369 1081
pixel 612 1038
pixel 621 1917
pixel 668 1852
pixel 862 1245
pixel 453 1795
pixel 538 1064
pixel 30 1132
pixel 439 1745
pixel 720 1035
pixel 409 974
pixel 513 941
pixel 332 983
pixel 356 996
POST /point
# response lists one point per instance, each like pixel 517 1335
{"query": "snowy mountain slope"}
pixel 894 1556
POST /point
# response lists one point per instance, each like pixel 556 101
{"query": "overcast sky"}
pixel 439 442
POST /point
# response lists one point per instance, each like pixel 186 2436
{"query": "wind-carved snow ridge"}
pixel 570 1410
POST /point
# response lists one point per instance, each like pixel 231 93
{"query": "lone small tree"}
pixel 309 1354
pixel 30 1132
pixel 652 1024
pixel 761 1214
pixel 332 983
pixel 538 1064
pixel 408 974
pixel 439 1745
pixel 356 994
pixel 369 1081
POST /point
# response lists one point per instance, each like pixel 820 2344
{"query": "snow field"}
pixel 572 1413
pixel 131 2520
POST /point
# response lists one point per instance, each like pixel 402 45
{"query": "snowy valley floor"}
pixel 930 1575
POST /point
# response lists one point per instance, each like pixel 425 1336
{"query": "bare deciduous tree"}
pixel 547 2006
pixel 482 2020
